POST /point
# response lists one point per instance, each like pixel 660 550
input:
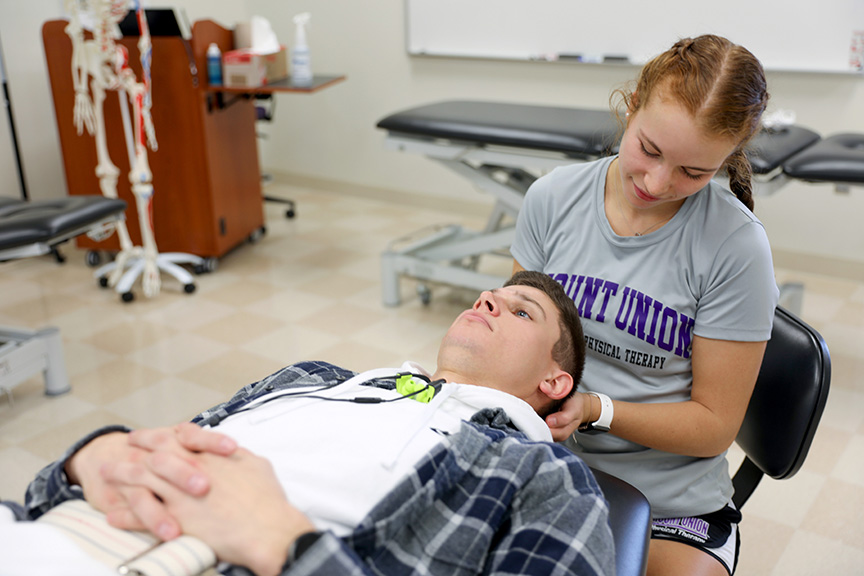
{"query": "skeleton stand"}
pixel 105 64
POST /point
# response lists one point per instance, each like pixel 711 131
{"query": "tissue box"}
pixel 246 69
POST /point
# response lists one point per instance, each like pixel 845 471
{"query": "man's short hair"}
pixel 569 350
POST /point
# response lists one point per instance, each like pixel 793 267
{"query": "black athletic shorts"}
pixel 715 533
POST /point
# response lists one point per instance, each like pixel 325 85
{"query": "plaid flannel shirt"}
pixel 487 500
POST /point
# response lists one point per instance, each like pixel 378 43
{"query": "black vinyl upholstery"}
pixel 23 223
pixel 630 519
pixel 786 405
pixel 575 132
pixel 582 134
pixel 770 148
pixel 837 158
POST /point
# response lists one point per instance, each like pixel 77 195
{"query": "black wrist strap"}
pixel 301 545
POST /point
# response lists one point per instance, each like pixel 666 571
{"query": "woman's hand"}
pixel 575 411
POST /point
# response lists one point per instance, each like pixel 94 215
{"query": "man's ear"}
pixel 558 385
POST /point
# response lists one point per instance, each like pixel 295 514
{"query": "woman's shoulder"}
pixel 570 180
pixel 718 212
pixel 721 224
pixel 581 171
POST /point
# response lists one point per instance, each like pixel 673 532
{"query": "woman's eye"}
pixel 647 153
pixel 693 176
pixel 523 314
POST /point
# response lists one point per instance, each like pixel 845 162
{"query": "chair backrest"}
pixel 786 406
pixel 630 520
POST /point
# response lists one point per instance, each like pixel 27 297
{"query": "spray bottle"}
pixel 301 67
pixel 214 65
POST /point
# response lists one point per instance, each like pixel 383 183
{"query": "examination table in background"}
pixel 34 229
pixel 502 148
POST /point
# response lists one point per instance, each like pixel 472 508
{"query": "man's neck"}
pixel 456 377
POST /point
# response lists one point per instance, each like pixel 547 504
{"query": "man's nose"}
pixel 487 303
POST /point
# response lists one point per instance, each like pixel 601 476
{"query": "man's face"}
pixel 504 341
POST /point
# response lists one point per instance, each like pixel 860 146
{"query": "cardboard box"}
pixel 246 69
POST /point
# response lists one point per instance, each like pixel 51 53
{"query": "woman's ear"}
pixel 558 385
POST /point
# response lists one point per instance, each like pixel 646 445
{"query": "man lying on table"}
pixel 366 478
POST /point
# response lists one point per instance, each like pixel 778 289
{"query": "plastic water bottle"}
pixel 214 65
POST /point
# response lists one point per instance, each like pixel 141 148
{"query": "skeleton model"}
pixel 105 64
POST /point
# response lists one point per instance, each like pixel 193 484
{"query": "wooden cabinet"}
pixel 206 179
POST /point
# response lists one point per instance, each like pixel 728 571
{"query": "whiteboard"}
pixel 799 35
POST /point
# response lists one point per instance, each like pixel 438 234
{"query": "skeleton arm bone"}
pixel 83 114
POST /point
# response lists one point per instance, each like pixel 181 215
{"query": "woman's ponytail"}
pixel 740 177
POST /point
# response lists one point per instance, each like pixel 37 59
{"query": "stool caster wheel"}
pixel 208 265
pixel 290 213
pixel 256 235
pixel 103 281
pixel 424 293
pixel 127 297
pixel 93 258
pixel 189 288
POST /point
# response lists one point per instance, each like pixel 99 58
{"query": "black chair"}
pixel 786 406
pixel 630 519
pixel 776 434
pixel 265 109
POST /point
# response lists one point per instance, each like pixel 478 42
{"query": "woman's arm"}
pixel 724 374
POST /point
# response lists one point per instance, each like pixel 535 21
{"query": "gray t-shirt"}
pixel 706 272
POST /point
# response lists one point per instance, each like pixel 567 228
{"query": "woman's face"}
pixel 665 157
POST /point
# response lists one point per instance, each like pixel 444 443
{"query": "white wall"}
pixel 21 36
pixel 331 135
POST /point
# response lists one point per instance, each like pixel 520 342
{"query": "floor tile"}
pixel 178 352
pixel 808 554
pixel 165 403
pixel 310 288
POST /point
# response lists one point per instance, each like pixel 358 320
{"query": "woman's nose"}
pixel 658 180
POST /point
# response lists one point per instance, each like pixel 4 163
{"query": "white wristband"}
pixel 607 411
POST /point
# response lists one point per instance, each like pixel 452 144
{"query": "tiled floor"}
pixel 310 289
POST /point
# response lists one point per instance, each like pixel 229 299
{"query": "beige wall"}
pixel 332 136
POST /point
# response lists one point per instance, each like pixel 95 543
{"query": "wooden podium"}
pixel 206 178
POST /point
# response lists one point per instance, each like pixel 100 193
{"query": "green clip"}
pixel 420 391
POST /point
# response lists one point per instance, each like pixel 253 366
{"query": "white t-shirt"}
pixel 336 460
pixel 706 272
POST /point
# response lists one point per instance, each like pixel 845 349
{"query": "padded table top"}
pixel 576 132
pixel 23 223
pixel 769 149
pixel 839 158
